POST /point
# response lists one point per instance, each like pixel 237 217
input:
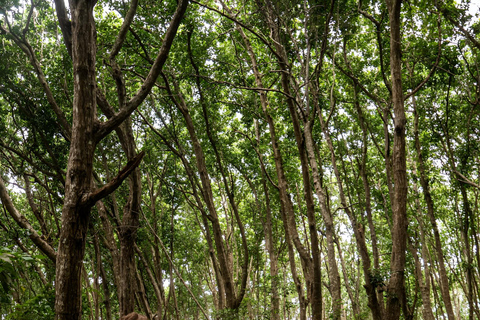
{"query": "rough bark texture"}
pixel 396 285
pixel 86 132
pixel 68 303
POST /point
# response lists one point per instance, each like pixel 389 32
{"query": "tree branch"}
pixel 152 76
pixel 91 198
pixel 20 219
pixel 23 44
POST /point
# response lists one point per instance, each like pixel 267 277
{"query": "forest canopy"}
pixel 224 159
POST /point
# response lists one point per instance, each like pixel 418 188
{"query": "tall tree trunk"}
pixel 333 273
pixel 444 285
pixel 312 262
pixel 275 299
pixel 103 274
pixel 128 229
pixel 375 299
pixel 75 217
pixel 229 190
pixel 285 201
pixel 396 286
pixel 222 251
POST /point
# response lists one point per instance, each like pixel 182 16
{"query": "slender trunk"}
pixel 172 256
pixel 285 201
pixel 466 239
pixel 348 287
pixel 291 234
pixel 424 286
pixel 375 298
pixel 228 189
pixel 275 299
pixel 396 286
pixel 106 289
pixel 333 272
pixel 142 295
pixel 109 241
pixel 312 262
pixel 444 285
pixel 151 278
pixel 128 229
pixel 225 271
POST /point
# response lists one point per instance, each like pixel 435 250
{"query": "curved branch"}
pixel 91 198
pixel 152 76
pixel 65 24
pixel 122 34
pixel 20 219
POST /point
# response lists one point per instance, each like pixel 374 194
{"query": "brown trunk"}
pixel 423 284
pixel 311 261
pixel 348 287
pixel 333 273
pixel 109 241
pixel 86 132
pixel 444 286
pixel 192 177
pixel 286 203
pixel 152 279
pixel 375 299
pixel 396 286
pixel 275 299
pixel 128 228
pixel 142 295
pixel 75 217
pixel 106 289
pixel 228 190
pixel 465 226
pixel 156 274
pixel 172 256
pixel 225 271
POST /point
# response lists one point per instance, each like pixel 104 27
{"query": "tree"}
pixel 290 159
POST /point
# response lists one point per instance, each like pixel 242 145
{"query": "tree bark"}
pixel 396 286
pixel 75 217
pixel 444 285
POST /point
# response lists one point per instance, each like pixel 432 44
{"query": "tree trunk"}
pixel 275 299
pixel 285 201
pixel 128 229
pixel 396 286
pixel 375 299
pixel 444 286
pixel 75 217
pixel 222 252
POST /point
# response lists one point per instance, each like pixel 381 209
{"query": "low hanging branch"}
pixel 91 198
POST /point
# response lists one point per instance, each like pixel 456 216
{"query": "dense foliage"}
pixel 270 181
